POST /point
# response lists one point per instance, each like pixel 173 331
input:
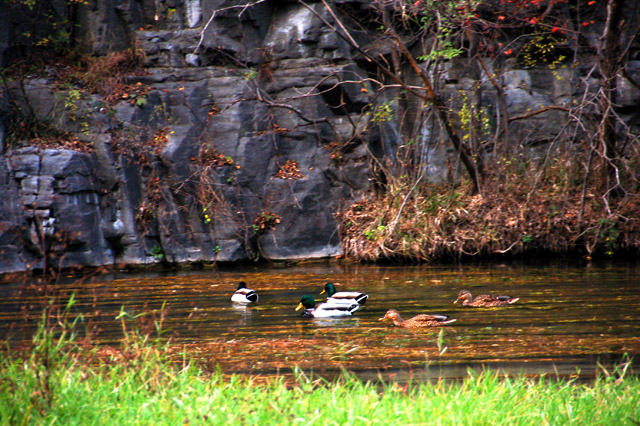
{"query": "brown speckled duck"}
pixel 418 321
pixel 484 300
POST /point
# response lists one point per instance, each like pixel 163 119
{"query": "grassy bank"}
pixel 62 385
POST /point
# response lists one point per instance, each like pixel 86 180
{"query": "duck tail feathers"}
pixel 252 296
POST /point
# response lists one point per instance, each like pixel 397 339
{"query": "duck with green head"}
pixel 484 300
pixel 324 310
pixel 344 297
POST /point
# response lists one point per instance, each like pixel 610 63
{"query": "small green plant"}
pixel 71 102
pixel 145 322
pixel 440 342
pixel 205 215
pixel 250 74
pixel 157 252
pixel 264 222
pixel 609 235
pixel 473 120
pixel 377 233
pixel 542 49
pixel 84 128
pixel 445 49
pixel 140 100
pixel 382 112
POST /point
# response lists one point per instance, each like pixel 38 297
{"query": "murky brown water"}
pixel 567 318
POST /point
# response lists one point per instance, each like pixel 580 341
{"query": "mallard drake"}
pixel 344 297
pixel 244 295
pixel 423 320
pixel 324 310
pixel 484 300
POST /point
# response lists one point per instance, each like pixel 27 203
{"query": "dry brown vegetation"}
pixel 522 210
pixel 76 76
pixel 580 197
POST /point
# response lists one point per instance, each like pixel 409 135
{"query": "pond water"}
pixel 568 320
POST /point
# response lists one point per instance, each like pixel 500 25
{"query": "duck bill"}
pixel 382 319
pixel 300 306
pixel 323 291
pixel 456 301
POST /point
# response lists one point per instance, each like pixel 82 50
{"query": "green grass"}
pixel 148 390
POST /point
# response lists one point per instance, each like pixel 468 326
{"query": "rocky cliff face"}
pixel 233 177
pixel 235 144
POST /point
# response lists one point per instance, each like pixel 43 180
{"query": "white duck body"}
pixel 325 310
pixel 244 295
pixel 344 297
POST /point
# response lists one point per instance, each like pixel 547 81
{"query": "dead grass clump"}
pixel 525 210
pixel 107 75
pixel 42 134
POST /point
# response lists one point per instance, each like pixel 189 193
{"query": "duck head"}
pixel 306 302
pixel 464 295
pixel 329 288
pixel 242 285
pixel 391 314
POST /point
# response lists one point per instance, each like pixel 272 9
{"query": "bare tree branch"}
pixel 213 15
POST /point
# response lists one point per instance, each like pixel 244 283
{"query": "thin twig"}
pixel 346 33
pixel 213 15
